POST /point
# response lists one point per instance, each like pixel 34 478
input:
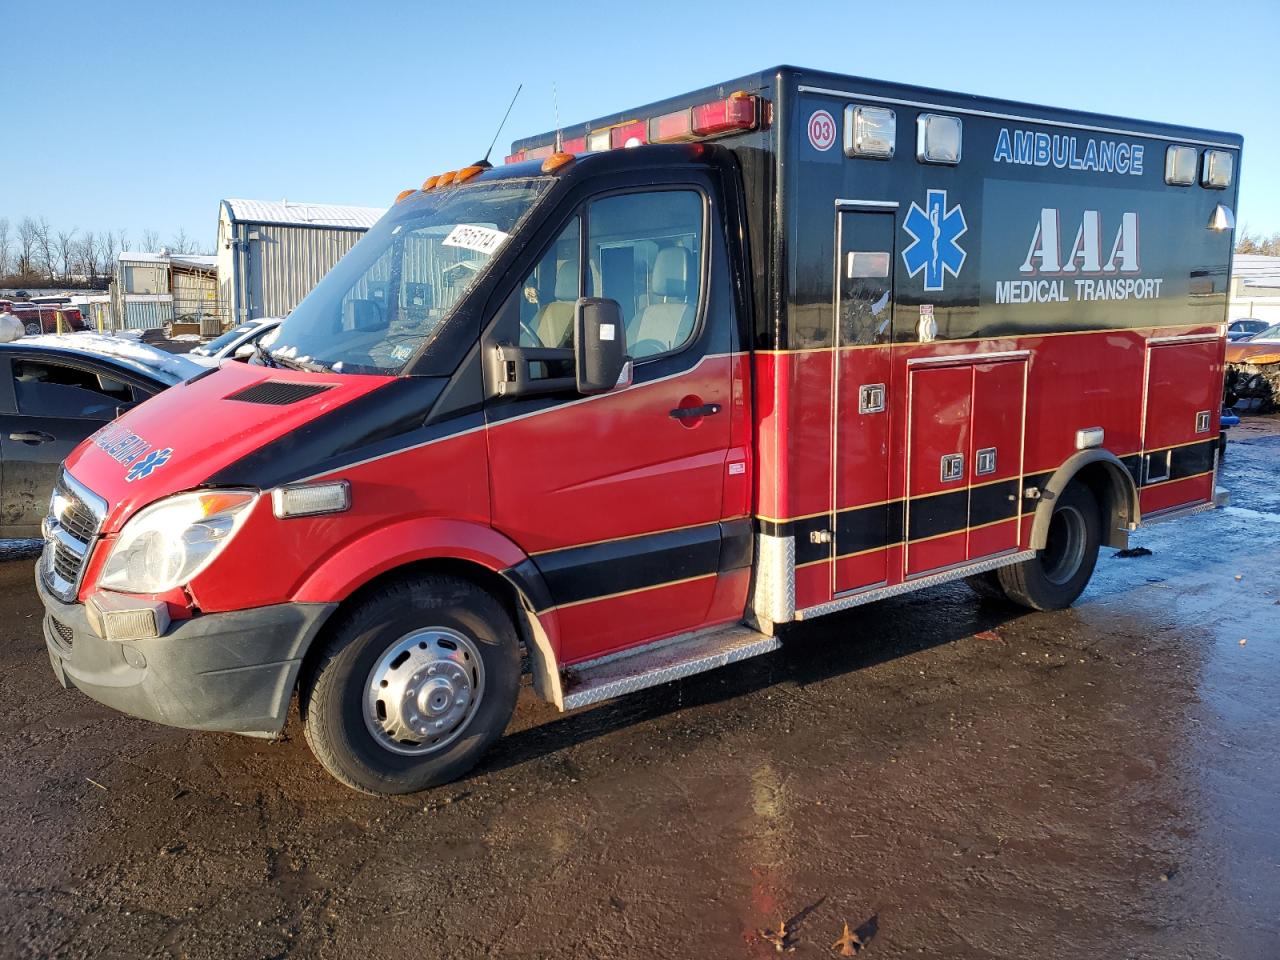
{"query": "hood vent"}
pixel 278 392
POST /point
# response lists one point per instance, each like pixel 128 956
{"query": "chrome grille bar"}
pixel 70 530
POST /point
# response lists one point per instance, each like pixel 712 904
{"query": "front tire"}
pixel 1058 574
pixel 412 685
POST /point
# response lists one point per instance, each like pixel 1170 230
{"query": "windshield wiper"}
pixel 263 357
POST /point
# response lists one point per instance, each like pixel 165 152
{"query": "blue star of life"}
pixel 149 463
pixel 934 231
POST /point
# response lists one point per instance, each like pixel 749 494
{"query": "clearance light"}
pixel 310 499
pixel 631 134
pixel 405 193
pixel 430 182
pixel 556 161
pixel 466 173
pixel 446 178
pixel 737 113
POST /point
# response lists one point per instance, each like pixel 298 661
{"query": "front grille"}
pixel 70 529
pixel 278 392
pixel 63 636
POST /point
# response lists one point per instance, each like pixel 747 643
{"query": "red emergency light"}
pixel 737 113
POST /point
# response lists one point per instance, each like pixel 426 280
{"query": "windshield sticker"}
pixel 472 237
pixel 147 465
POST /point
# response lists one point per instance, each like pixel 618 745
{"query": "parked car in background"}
pixel 1244 328
pixel 54 392
pixel 234 342
pixel 40 318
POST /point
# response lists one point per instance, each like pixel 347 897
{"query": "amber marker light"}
pixel 556 161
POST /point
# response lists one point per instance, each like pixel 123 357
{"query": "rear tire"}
pixel 1058 574
pixel 412 685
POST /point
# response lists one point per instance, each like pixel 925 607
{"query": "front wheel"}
pixel 412 686
pixel 1058 574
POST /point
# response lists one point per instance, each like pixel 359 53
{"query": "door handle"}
pixel 693 413
pixel 35 436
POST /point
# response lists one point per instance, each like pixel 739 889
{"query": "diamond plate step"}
pixel 616 675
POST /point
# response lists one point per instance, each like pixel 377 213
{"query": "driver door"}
pixel 619 497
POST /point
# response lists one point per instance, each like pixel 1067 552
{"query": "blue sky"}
pixel 143 116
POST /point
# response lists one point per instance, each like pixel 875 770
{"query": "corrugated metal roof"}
pixel 137 256
pixel 295 213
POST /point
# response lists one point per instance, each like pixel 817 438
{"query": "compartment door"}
pixel 939 464
pixel 1180 426
pixel 860 431
pixel 999 400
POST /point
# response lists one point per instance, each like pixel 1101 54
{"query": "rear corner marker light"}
pixel 556 161
pixel 631 134
pixel 1180 165
pixel 466 173
pixel 671 127
pixel 311 499
pixel 1216 172
pixel 574 145
pixel 735 114
pixel 405 193
pixel 598 141
pixel 869 132
pixel 939 138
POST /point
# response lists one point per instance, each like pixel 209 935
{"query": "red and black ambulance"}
pixel 656 386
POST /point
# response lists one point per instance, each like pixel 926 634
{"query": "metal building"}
pixel 271 253
pixel 141 296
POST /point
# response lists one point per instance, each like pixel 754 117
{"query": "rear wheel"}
pixel 1058 574
pixel 412 686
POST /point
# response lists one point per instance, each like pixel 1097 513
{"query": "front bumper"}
pixel 230 671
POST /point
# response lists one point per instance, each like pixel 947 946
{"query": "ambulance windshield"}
pixel 398 286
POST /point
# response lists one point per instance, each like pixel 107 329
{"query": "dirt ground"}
pixel 954 779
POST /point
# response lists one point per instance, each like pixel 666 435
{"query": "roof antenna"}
pixel 485 162
pixel 555 105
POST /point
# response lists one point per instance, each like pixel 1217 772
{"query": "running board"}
pixel 619 674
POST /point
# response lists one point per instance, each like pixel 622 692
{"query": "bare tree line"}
pixel 33 252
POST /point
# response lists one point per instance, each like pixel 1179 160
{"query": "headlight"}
pixel 170 542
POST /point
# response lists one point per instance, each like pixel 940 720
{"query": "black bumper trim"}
pixel 232 671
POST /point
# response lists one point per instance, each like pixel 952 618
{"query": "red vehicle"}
pixel 43 317
pixel 810 344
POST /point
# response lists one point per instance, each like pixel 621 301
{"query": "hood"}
pixel 180 438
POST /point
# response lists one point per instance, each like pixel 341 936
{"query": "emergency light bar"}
pixel 737 113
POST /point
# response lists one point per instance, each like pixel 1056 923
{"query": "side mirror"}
pixel 600 346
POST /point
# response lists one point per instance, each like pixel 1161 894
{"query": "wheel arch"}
pixel 1110 483
pixel 469 551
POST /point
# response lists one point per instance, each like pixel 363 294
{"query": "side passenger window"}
pixel 646 253
pixel 549 294
pixel 53 390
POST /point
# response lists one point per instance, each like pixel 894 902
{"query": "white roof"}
pixel 198 260
pixel 129 352
pixel 137 256
pixel 296 213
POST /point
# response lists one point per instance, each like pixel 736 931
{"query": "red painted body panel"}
pixel 941 404
pixel 1177 389
pixel 205 431
pixel 861 457
pixel 1177 493
pixel 998 393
